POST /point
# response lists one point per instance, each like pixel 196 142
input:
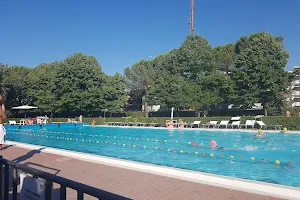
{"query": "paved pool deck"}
pixel 125 182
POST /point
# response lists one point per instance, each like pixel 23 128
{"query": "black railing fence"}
pixel 10 179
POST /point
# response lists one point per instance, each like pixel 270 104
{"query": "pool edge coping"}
pixel 233 183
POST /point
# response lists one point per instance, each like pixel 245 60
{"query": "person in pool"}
pixel 260 134
pixel 284 131
pixel 214 144
pixel 180 124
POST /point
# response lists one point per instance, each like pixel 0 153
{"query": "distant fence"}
pixel 9 169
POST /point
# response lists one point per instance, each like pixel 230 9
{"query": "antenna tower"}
pixel 192 18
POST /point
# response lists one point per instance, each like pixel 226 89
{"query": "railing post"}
pixel 1 178
pixel 79 195
pixel 48 192
pixel 63 192
pixel 6 182
pixel 15 183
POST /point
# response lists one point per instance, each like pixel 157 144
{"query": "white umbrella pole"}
pixel 172 113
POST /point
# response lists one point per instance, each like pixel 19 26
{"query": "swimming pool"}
pixel 243 157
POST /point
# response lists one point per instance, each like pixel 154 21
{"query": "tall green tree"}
pixel 42 87
pixel 114 93
pixel 260 76
pixel 170 91
pixel 225 57
pixel 194 58
pixel 15 83
pixel 215 90
pixel 140 78
pixel 78 78
pixel 3 68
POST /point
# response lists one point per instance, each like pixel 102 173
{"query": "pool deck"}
pixel 125 182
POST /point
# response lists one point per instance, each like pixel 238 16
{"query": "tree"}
pixel 194 59
pixel 79 79
pixel 260 76
pixel 139 79
pixel 42 87
pixel 217 88
pixel 3 68
pixel 214 90
pixel 114 93
pixel 15 83
pixel 76 84
pixel 170 91
pixel 225 57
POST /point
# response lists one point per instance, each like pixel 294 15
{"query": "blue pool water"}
pixel 174 148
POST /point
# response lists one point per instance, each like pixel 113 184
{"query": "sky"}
pixel 119 33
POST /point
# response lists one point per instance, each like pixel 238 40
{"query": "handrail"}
pixel 82 188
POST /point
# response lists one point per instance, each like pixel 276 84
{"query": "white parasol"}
pixel 24 107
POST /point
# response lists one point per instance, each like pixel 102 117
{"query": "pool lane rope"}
pixel 134 146
pixel 163 141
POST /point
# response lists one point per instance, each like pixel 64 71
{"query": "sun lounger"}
pixel 278 127
pixel 264 126
pixel 13 123
pixel 210 124
pixel 235 118
pixel 250 123
pixel 223 123
pixel 187 125
pixel 261 124
pixel 130 124
pixel 154 124
pixel 213 124
pixel 140 124
pixel 235 124
pixel 22 122
pixel 197 123
pixel 259 117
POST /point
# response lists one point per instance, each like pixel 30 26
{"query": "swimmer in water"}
pixel 196 144
pixel 260 134
pixel 284 131
pixel 214 144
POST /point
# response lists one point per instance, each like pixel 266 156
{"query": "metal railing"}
pixel 9 169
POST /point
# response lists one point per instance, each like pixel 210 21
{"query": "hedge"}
pixel 292 123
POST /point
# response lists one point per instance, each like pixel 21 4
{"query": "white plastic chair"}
pixel 261 124
pixel 12 122
pixel 236 123
pixel 235 118
pixel 213 123
pixel 223 123
pixel 250 123
pixel 196 123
